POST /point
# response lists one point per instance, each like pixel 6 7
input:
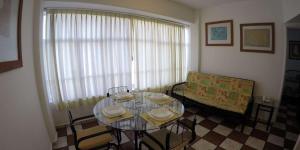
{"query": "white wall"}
pixel 195 43
pixel 37 38
pixel 265 69
pixel 22 126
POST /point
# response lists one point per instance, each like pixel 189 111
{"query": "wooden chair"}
pixel 165 139
pixel 115 90
pixel 92 138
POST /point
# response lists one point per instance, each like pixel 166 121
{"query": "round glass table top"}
pixel 138 105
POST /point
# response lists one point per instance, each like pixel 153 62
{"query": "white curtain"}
pixel 159 53
pixel 87 52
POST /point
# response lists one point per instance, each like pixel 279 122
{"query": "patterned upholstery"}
pixel 227 93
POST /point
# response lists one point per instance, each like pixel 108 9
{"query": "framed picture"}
pixel 257 37
pixel 294 50
pixel 10 34
pixel 219 33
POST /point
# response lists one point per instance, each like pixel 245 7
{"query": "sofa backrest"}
pixel 224 90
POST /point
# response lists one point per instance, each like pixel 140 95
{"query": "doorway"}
pixel 291 90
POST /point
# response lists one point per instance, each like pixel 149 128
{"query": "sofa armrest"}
pixel 177 85
pixel 249 108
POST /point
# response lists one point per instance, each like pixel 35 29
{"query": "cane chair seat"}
pixel 94 141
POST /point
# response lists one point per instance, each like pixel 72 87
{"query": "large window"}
pixel 87 52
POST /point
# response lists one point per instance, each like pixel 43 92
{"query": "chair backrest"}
pixel 115 90
pixel 73 129
pixel 191 128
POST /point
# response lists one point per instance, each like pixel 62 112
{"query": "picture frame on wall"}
pixel 294 50
pixel 219 33
pixel 257 37
pixel 10 34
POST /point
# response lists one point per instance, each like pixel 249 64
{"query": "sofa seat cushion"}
pixel 234 106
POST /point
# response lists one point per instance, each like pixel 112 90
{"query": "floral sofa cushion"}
pixel 232 94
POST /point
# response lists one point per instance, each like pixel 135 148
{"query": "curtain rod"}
pixel 118 12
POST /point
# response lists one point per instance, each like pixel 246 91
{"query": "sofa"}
pixel 227 95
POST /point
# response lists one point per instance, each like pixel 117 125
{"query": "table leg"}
pixel 136 144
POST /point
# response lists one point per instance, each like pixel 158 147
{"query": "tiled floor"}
pixel 217 133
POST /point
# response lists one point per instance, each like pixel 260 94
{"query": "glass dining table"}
pixel 139 104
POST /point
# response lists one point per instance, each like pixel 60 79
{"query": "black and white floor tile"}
pixel 214 132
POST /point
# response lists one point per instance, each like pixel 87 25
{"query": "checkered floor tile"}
pixel 214 132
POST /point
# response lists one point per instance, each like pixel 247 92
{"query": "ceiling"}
pixel 197 4
pixel 295 19
pixel 294 22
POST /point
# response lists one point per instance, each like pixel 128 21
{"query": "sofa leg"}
pixel 244 123
pixel 242 128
